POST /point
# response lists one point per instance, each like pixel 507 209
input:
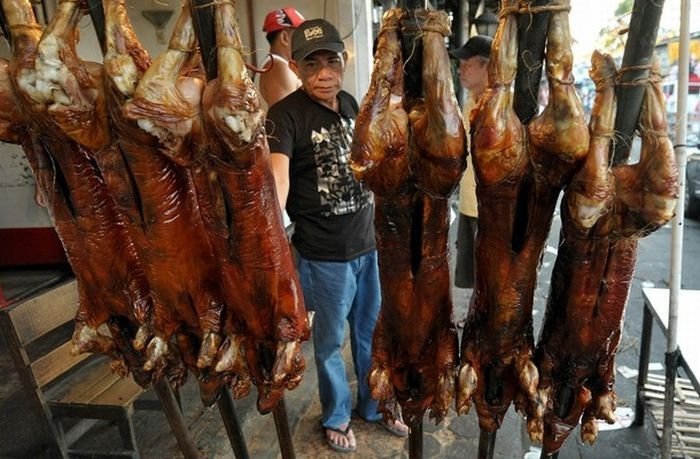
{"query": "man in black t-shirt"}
pixel 310 132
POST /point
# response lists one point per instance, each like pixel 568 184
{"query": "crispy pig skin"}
pixel 496 366
pixel 59 105
pixel 266 317
pixel 153 109
pixel 604 213
pixel 412 158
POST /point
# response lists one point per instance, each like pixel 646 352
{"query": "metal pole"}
pixel 644 351
pixel 641 40
pixel 672 351
pixel 487 444
pixel 176 420
pixel 233 427
pixel 284 435
pixel 97 15
pixel 415 441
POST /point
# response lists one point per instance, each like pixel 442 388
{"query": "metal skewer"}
pixel 487 444
pixel 284 435
pixel 176 420
pixel 415 440
pixel 233 426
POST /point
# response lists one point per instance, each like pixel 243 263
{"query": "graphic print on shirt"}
pixel 339 192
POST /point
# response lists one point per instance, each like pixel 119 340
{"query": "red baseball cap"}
pixel 282 18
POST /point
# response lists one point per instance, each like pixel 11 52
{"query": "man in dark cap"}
pixel 310 132
pixel 279 80
pixel 473 60
pixel 473 76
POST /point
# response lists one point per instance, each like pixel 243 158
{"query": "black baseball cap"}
pixel 478 45
pixel 315 35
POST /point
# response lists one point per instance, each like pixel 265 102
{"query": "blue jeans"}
pixel 336 292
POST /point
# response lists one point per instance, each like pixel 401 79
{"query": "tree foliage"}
pixel 624 7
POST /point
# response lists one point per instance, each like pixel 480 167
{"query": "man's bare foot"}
pixel 341 439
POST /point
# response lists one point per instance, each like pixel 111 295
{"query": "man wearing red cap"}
pixel 279 81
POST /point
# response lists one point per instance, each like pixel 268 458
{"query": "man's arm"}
pixel 280 170
pixel 277 83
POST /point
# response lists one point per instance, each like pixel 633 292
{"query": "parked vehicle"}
pixel 692 105
pixel 692 179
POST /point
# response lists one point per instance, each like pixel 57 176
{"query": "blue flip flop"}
pixel 336 447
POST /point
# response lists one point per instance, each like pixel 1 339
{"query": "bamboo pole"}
pixel 97 16
pixel 4 27
pixel 204 26
pixel 672 352
pixel 532 35
pixel 644 26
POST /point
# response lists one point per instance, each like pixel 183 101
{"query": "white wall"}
pixel 351 17
pixel 17 207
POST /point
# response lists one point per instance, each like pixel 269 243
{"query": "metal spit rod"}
pixel 233 426
pixel 176 420
pixel 487 444
pixel 284 435
pixel 415 441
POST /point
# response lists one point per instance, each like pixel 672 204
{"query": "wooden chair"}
pixel 80 388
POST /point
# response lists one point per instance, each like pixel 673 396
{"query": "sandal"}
pixel 345 433
pixel 393 428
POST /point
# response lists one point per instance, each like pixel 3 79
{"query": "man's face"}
pixel 321 74
pixel 473 72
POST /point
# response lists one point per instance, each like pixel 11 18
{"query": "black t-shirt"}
pixel 332 211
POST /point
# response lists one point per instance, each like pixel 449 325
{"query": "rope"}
pixel 434 21
pixel 630 68
pixel 652 132
pixel 610 136
pixel 639 81
pixel 507 11
pixel 214 3
pixel 436 29
pixel 26 26
pixel 561 81
pixel 183 49
pixel 543 9
pixel 605 83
